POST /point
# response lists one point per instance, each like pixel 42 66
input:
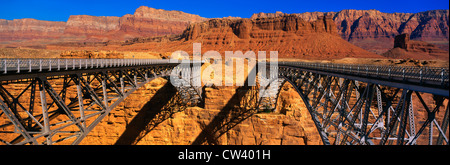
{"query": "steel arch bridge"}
pixel 74 94
pixel 368 104
pixel 349 104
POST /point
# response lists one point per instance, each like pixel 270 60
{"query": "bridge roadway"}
pixel 343 100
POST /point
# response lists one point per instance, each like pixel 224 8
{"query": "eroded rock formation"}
pixel 405 48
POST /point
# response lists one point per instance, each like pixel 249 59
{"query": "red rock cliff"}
pixel 19 29
pixel 86 25
pixel 247 28
pixel 405 48
pixel 145 22
pixel 374 30
pixel 290 35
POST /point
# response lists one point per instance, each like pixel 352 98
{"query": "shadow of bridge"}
pixel 161 106
pixel 241 106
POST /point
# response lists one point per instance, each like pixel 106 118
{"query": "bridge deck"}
pixel 15 69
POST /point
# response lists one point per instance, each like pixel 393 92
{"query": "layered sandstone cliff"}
pixel 91 25
pixel 290 35
pixel 374 30
pixel 145 22
pixel 29 29
pixel 432 25
pixel 369 29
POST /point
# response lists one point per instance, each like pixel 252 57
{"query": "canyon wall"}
pixel 369 29
pixel 139 120
pixel 86 25
pixel 151 116
pixel 245 28
pixel 145 22
pixel 30 29
pixel 154 114
pixel 375 31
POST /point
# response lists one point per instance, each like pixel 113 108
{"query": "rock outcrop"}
pixel 91 54
pixel 401 41
pixel 405 48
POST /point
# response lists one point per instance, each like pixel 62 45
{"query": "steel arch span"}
pixel 60 101
pixel 346 111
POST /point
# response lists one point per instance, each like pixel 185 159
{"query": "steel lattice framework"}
pixel 349 104
pixel 352 104
pixel 62 115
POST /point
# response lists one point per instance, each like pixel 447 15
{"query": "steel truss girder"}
pixel 349 112
pixel 63 115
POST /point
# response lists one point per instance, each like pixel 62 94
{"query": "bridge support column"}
pixel 46 129
pixel 105 94
pixel 81 106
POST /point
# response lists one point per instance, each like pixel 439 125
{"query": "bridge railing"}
pixel 51 64
pixel 421 75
